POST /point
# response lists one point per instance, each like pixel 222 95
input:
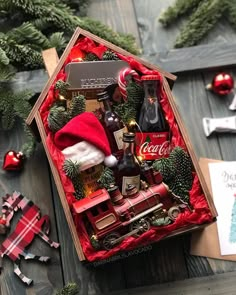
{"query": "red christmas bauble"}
pixel 222 84
pixel 13 161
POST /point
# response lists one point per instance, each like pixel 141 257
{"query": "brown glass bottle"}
pixel 151 118
pixel 113 125
pixel 153 142
pixel 128 168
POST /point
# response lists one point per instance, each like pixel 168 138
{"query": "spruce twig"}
pixel 107 178
pixel 176 172
pixel 69 289
pixel 200 23
pixel 180 8
pixel 204 14
pixel 71 169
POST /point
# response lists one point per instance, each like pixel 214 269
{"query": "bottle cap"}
pixel 149 77
pixel 128 137
pixel 102 96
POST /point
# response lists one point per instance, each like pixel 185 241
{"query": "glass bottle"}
pixel 151 118
pixel 128 168
pixel 153 139
pixel 113 125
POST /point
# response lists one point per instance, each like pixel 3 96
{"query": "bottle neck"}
pixel 128 148
pixel 106 105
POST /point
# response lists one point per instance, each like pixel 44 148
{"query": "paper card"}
pixel 223 184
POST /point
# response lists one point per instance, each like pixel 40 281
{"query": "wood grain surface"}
pixel 162 268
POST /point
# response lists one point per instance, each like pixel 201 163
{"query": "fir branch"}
pixel 6 73
pixel 69 289
pixel 27 33
pixel 62 86
pixel 61 17
pixel 58 41
pixel 129 109
pixel 107 178
pixel 20 55
pixel 176 172
pixel 231 10
pixel 77 106
pixel 71 169
pixel 57 118
pixel 204 18
pixel 180 8
pixel 4 60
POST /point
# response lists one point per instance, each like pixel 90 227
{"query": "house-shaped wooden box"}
pixel 200 199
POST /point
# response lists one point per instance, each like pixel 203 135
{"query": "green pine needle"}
pixel 106 178
pixel 176 172
pixel 69 289
pixel 204 14
pixel 4 60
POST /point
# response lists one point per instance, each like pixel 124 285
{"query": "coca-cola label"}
pixel 153 145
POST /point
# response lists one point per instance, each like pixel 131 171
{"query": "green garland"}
pixel 204 14
pixel 44 24
pixel 30 26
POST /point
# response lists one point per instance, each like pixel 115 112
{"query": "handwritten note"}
pixel 223 182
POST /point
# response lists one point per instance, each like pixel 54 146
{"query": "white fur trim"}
pixel 85 154
pixel 110 161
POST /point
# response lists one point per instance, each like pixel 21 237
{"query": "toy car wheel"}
pixel 142 225
pixel 109 241
pixel 173 212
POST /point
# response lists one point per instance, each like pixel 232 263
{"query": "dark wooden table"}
pixel 165 267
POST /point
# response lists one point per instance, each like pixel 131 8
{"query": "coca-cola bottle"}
pixel 128 168
pixel 113 125
pixel 153 141
pixel 151 118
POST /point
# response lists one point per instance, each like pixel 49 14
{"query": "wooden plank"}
pixel 192 101
pixel 60 188
pixel 210 285
pixel 160 264
pixel 154 37
pixel 33 182
pixel 118 14
pixel 51 59
pixel 196 58
pixel 31 80
pixel 219 108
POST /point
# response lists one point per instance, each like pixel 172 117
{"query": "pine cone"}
pixel 62 86
pixel 110 55
pixel 91 57
pixel 183 164
pixel 77 106
pixel 135 92
pixel 166 168
pixel 57 118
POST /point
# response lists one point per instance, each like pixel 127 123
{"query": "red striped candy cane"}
pixel 122 80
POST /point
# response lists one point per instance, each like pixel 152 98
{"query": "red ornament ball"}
pixel 13 161
pixel 222 83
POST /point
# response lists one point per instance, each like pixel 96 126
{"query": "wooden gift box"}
pixel 37 123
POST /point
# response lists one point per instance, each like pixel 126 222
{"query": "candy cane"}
pixel 122 81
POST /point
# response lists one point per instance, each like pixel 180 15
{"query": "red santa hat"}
pixel 83 140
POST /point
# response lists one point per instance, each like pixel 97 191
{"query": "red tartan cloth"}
pixel 201 213
pixel 27 227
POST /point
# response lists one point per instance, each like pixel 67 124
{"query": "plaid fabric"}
pixel 26 228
